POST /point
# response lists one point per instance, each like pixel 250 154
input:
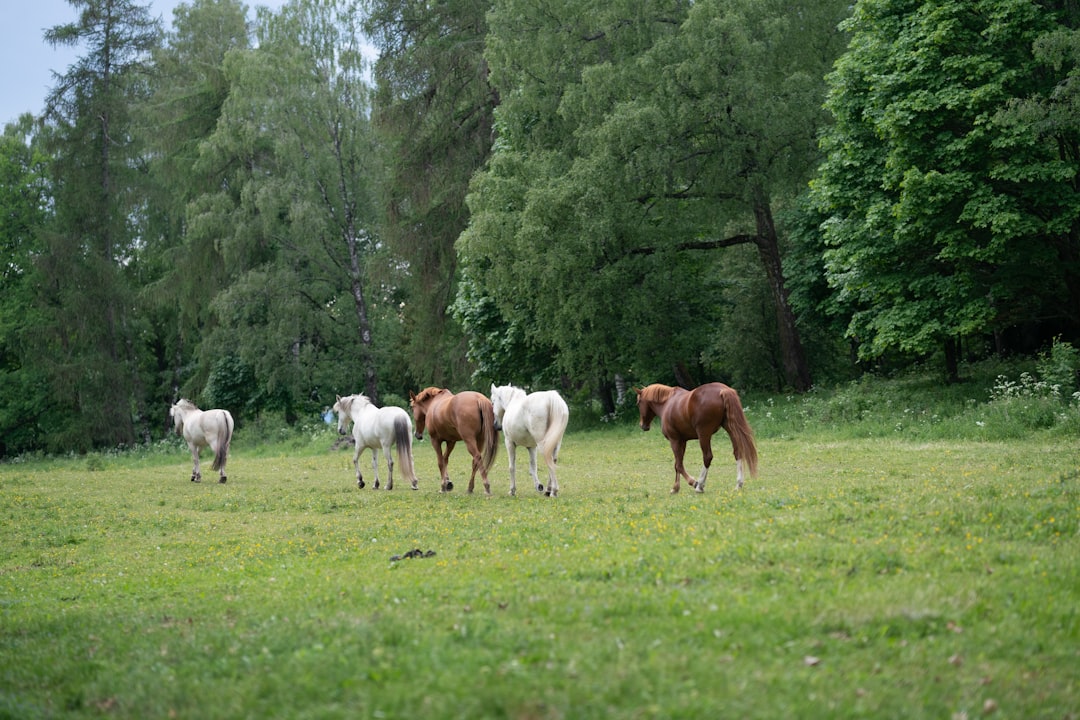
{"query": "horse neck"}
pixel 360 409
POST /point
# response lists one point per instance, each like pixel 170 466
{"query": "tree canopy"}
pixel 262 210
pixel 950 211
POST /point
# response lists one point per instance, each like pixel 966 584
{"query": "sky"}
pixel 29 62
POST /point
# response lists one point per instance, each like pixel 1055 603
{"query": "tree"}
pixel 433 111
pixel 184 270
pixel 24 196
pixel 293 208
pixel 948 216
pixel 631 139
pixel 88 338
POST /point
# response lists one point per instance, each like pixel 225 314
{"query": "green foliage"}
pixel 995 401
pixel 23 195
pixel 432 109
pixel 232 385
pixel 947 214
pixel 630 141
pixel 1060 367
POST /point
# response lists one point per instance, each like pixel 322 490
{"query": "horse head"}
pixel 176 413
pixel 647 400
pixel 342 408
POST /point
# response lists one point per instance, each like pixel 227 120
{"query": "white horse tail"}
pixel 558 419
pixel 403 439
pixel 225 432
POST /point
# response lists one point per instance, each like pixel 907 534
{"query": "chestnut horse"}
pixel 698 414
pixel 448 418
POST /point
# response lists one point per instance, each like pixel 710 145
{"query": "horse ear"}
pixel 412 395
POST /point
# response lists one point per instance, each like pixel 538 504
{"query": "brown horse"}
pixel 698 414
pixel 467 416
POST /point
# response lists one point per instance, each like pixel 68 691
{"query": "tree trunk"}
pixel 796 370
pixel 363 323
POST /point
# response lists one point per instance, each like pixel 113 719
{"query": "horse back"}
pixel 696 413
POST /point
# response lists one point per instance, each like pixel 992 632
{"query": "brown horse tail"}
pixel 403 440
pixel 491 435
pixel 222 453
pixel 742 437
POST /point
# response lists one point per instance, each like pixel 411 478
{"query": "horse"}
pixel 213 428
pixel 698 414
pixel 448 418
pixel 536 421
pixel 377 428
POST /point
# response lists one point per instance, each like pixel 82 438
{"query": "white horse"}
pixel 213 428
pixel 377 428
pixel 536 421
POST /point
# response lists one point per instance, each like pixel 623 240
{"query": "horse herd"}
pixel 535 421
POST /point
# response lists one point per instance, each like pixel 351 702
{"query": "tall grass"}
pixel 859 576
pixel 994 401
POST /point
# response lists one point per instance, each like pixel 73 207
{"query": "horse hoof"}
pixel 539 488
pixel 223 479
pixel 360 484
pixel 449 486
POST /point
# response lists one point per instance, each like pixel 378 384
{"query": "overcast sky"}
pixel 27 60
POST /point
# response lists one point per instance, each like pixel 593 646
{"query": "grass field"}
pixel 853 578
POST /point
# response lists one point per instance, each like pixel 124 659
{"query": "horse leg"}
pixel 738 474
pixel 511 450
pixel 706 459
pixel 678 448
pixel 477 465
pixel 389 467
pixel 221 472
pixel 375 466
pixel 196 470
pixel 532 470
pixel 356 464
pixel 444 462
pixel 553 482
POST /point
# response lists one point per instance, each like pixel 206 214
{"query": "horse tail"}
pixel 742 437
pixel 490 434
pixel 403 440
pixel 558 419
pixel 225 433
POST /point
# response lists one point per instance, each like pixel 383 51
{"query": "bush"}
pixel 1059 368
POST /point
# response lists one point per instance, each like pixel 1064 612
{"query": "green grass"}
pixel 857 577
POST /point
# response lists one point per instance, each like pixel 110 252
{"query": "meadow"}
pixel 873 574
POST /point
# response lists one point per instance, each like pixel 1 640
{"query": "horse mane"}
pixel 185 404
pixel 656 393
pixel 428 393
